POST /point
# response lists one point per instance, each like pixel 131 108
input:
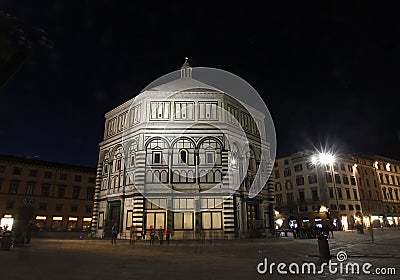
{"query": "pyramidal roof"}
pixel 185 82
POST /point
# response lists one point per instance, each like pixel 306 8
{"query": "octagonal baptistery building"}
pixel 183 155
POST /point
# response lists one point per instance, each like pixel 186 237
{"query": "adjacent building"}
pixel 379 187
pixel 316 194
pixel 173 157
pixel 350 190
pixel 55 196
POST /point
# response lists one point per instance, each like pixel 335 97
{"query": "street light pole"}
pixel 336 192
pixel 328 160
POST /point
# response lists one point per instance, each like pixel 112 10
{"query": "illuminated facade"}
pixel 55 196
pixel 170 138
pixel 364 189
pixel 385 186
pixel 309 195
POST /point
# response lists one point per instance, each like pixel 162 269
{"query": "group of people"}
pixel 160 234
pixel 312 232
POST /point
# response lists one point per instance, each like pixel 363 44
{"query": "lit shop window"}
pixel 211 220
pixel 72 222
pixel 57 223
pixel 40 222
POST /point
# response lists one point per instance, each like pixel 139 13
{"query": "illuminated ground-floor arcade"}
pixel 188 217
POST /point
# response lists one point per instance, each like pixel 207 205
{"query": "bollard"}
pixel 323 246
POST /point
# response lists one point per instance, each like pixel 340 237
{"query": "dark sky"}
pixel 328 73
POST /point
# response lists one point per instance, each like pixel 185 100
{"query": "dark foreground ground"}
pixel 99 259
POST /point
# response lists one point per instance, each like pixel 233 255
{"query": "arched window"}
pixel 210 152
pixel 210 176
pixel 149 176
pixel 191 178
pixel 183 152
pixel 106 162
pixel 252 161
pixel 175 178
pixel 131 156
pixel 156 176
pixel 183 178
pixel 118 159
pixel 157 150
pixel 217 176
pixel 164 176
pixel 203 176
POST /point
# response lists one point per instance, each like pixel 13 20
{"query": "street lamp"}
pixel 323 209
pixel 328 159
pixel 323 158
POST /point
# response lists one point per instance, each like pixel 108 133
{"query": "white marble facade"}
pixel 174 155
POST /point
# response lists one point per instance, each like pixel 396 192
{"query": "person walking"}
pixel 152 235
pixel 168 234
pixel 114 233
pixel 133 235
pixel 161 235
pixel 28 233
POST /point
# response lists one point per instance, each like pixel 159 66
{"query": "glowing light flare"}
pixel 344 223
pixel 323 209
pixel 323 158
pixel 279 222
pixel 7 222
pixel 366 221
pixel 326 158
pixel 314 160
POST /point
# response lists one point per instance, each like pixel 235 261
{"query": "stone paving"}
pixel 237 259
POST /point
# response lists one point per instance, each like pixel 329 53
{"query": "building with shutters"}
pixel 356 189
pixel 55 196
pixel 173 156
pixel 316 195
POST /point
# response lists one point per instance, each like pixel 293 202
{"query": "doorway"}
pixel 112 217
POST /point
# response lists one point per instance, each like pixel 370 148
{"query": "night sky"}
pixel 329 74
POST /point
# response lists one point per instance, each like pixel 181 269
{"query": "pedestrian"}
pixel 202 236
pixel 114 233
pixel 168 234
pixel 152 235
pixel 161 235
pixel 28 233
pixel 331 228
pixel 132 236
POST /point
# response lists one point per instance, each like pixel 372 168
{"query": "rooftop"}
pixel 38 162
